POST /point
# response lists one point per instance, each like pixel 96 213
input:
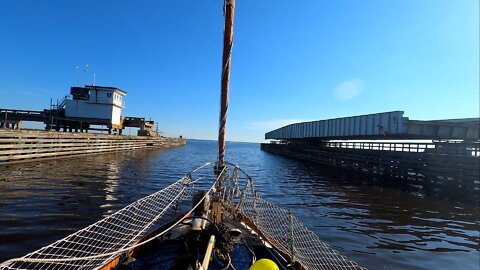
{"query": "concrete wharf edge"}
pixel 18 146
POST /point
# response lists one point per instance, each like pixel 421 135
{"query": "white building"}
pixel 98 104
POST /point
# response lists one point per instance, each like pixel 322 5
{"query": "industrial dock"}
pixel 75 125
pixel 88 108
pixel 430 153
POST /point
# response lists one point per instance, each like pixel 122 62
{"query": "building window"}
pixel 109 95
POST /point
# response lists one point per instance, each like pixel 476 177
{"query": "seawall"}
pixel 28 145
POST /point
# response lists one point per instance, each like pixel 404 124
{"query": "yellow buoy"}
pixel 264 264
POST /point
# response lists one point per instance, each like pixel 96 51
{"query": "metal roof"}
pixel 386 125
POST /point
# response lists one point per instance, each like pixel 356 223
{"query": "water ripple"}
pixel 378 226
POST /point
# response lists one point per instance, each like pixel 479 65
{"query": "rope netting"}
pixel 117 234
pixel 283 230
pixel 99 243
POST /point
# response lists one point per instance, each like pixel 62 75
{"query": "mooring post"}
pixel 50 114
pixel 5 123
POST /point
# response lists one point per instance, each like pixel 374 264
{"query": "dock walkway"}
pixel 27 145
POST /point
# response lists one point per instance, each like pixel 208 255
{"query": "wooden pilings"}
pixel 456 164
pixel 21 145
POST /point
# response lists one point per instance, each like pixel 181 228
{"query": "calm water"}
pixel 380 227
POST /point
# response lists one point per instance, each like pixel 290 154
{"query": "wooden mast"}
pixel 227 53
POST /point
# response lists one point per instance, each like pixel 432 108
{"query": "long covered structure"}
pixel 386 125
pixel 388 144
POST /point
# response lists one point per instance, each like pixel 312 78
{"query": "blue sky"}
pixel 292 60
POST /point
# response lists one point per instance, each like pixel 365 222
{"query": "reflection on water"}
pixel 379 226
pixel 111 186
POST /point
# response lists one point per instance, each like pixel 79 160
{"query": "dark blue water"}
pixel 378 226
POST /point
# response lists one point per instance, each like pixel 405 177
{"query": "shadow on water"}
pixel 374 222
